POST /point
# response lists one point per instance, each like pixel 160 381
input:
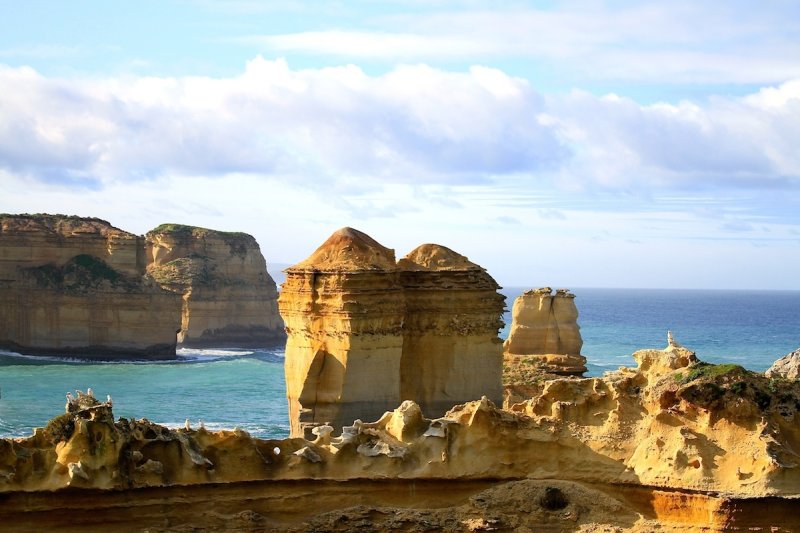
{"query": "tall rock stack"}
pixel 366 333
pixel 343 309
pixel 229 299
pixel 545 332
pixel 451 352
pixel 77 286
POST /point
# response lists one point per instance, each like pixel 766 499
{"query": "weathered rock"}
pixel 787 366
pixel 545 333
pixel 366 333
pixel 451 352
pixel 343 308
pixel 229 298
pixel 71 285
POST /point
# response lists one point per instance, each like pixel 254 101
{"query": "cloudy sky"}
pixel 579 144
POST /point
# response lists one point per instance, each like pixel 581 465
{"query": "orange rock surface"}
pixel 366 332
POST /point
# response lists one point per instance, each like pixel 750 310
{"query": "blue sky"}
pixel 584 143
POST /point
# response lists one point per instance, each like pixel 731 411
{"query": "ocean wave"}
pixel 182 356
pixel 255 429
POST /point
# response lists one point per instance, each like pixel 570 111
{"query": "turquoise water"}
pixel 236 387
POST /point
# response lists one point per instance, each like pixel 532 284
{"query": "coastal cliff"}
pixel 366 332
pixel 672 444
pixel 72 285
pixel 229 299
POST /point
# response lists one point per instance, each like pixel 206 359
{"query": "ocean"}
pixel 234 387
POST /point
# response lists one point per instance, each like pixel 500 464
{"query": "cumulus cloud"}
pixel 342 130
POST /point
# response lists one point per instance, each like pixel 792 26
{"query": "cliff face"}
pixel 343 309
pixel 366 333
pixel 451 352
pixel 71 285
pixel 674 442
pixel 229 299
pixel 787 367
pixel 545 333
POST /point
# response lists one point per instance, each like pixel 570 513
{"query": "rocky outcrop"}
pixel 71 285
pixel 787 367
pixel 673 443
pixel 229 299
pixel 365 332
pixel 545 333
pixel 451 352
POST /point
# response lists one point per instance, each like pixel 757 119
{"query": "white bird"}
pixel 108 399
pixel 202 426
pixel 187 425
pixel 89 392
pixel 70 397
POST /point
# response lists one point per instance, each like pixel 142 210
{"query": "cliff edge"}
pixel 77 286
pixel 229 298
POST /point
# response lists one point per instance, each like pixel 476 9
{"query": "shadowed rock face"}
pixel 72 285
pixel 365 333
pixel 229 299
pixel 545 332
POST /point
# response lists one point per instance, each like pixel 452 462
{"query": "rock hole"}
pixel 150 434
pixel 553 499
pixel 98 436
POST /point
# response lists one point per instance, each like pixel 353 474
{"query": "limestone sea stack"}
pixel 545 332
pixel 451 351
pixel 365 332
pixel 73 285
pixel 343 308
pixel 229 298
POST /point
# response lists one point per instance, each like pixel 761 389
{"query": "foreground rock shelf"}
pixel 671 444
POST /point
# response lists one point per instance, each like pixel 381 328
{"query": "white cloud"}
pixel 344 131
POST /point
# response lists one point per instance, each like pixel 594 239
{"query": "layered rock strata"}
pixel 672 444
pixel 71 285
pixel 451 352
pixel 365 332
pixel 545 333
pixel 229 298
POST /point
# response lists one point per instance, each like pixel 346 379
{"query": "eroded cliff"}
pixel 229 298
pixel 71 285
pixel 673 443
pixel 366 332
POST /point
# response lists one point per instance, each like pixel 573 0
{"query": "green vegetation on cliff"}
pixel 81 272
pixel 196 231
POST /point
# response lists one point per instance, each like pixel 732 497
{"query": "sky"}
pixel 572 144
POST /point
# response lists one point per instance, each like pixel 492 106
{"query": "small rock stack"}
pixel 545 333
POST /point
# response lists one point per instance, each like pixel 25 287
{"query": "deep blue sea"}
pixel 236 387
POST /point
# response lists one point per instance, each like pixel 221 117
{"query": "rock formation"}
pixel 451 352
pixel 229 299
pixel 670 445
pixel 787 367
pixel 545 333
pixel 71 285
pixel 365 332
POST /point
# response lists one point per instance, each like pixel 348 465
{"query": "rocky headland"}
pixel 229 299
pixel 366 332
pixel 72 285
pixel 79 286
pixel 673 444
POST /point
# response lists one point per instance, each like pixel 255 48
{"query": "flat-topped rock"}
pixel 77 286
pixel 229 298
pixel 545 330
